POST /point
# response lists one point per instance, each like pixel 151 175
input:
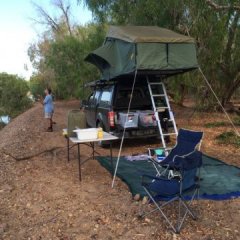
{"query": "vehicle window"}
pixel 139 98
pixel 90 98
pixel 96 96
pixel 126 93
pixel 106 97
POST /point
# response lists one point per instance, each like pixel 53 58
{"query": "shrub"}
pixel 228 138
pixel 13 95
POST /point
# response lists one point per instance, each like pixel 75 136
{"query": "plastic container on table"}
pixel 100 133
pixel 87 133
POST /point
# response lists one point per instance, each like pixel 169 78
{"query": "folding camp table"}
pixel 90 143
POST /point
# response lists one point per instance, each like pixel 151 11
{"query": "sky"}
pixel 17 31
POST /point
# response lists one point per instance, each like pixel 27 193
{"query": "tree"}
pixel 39 82
pixel 55 26
pixel 13 95
pixel 58 56
pixel 65 57
pixel 214 24
pixel 217 31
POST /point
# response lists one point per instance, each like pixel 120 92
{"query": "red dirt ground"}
pixel 41 197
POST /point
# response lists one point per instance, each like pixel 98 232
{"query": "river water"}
pixel 5 119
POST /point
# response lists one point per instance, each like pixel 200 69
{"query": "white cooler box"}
pixel 86 133
pixel 131 121
pixel 147 119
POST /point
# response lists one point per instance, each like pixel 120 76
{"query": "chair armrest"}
pixel 188 161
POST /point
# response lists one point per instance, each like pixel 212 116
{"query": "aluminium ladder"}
pixel 159 109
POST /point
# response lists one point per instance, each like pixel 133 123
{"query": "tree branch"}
pixel 66 12
pixel 17 158
pixel 47 19
pixel 222 7
pixel 235 84
pixel 231 36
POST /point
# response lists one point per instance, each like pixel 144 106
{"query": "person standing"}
pixel 48 108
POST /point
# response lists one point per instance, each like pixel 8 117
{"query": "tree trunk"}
pixel 230 89
pixel 183 89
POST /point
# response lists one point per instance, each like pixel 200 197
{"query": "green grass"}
pixel 215 124
pixel 236 122
pixel 228 138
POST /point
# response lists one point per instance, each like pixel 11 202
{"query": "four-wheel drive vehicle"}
pixel 107 106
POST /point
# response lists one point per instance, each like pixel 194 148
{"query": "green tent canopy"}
pixel 148 49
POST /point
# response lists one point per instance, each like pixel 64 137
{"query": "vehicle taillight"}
pixel 111 118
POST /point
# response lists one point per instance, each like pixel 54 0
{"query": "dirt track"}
pixel 41 197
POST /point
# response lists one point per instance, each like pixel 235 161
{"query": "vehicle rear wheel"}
pixel 103 144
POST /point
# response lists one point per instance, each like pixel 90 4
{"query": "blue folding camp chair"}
pixel 188 142
pixel 186 161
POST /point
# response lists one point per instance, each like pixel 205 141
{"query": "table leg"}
pixel 79 163
pixel 111 157
pixel 68 149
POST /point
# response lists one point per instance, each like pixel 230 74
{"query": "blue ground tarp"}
pixel 219 181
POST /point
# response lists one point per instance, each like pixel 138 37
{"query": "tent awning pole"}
pixel 215 95
pixel 124 129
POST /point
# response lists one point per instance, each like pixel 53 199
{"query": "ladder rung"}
pixel 169 134
pixel 158 109
pixel 162 108
pixel 158 95
pixel 155 83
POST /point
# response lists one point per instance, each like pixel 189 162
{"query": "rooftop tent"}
pixel 145 48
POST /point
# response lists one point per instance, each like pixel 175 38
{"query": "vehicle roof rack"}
pixel 99 83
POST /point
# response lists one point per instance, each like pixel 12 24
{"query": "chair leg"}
pixel 188 210
pixel 196 193
pixel 197 198
pixel 179 216
pixel 182 218
pixel 160 209
pixel 143 213
pixel 182 214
